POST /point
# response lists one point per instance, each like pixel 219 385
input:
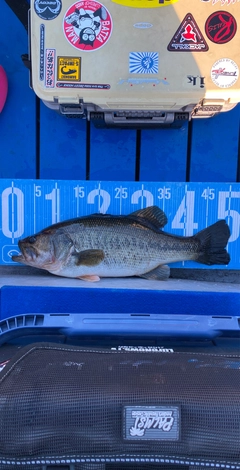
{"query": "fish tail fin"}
pixel 213 241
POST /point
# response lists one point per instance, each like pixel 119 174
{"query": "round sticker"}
pixel 87 25
pixel 224 73
pixel 220 27
pixel 48 9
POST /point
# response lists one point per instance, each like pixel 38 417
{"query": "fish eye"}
pixel 32 239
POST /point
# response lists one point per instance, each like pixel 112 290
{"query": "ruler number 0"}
pixel 12 212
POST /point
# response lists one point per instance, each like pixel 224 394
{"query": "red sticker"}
pixel 221 27
pixel 87 25
pixel 188 37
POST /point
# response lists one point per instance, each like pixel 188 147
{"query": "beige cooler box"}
pixel 136 62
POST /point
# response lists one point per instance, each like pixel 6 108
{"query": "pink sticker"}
pixel 3 87
pixel 50 68
pixel 87 25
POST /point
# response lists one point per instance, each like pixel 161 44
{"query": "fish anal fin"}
pixel 161 273
pixel 89 278
pixel 152 214
pixel 88 257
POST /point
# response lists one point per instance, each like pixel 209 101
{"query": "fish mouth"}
pixel 27 256
pixel 18 258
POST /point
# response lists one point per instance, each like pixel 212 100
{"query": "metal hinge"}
pixel 207 108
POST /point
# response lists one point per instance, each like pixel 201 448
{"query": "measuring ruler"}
pixel 28 206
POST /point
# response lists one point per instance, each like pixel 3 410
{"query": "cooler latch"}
pixel 71 110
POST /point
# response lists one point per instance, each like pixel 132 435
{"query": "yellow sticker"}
pixel 69 69
pixel 145 3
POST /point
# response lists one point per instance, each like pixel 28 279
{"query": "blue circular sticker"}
pixel 47 9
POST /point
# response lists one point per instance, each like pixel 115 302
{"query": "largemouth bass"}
pixel 100 245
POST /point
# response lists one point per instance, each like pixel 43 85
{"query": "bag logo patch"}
pixel 152 423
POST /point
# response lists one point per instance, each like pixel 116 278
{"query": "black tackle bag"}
pixel 66 407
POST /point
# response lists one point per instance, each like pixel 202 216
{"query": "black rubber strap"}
pixel 26 61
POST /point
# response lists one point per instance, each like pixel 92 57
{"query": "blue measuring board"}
pixel 28 206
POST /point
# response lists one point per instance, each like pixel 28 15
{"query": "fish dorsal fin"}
pixel 152 214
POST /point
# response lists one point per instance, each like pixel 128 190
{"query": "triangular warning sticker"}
pixel 188 37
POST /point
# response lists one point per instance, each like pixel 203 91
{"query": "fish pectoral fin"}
pixel 152 214
pixel 161 273
pixel 88 257
pixel 89 278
